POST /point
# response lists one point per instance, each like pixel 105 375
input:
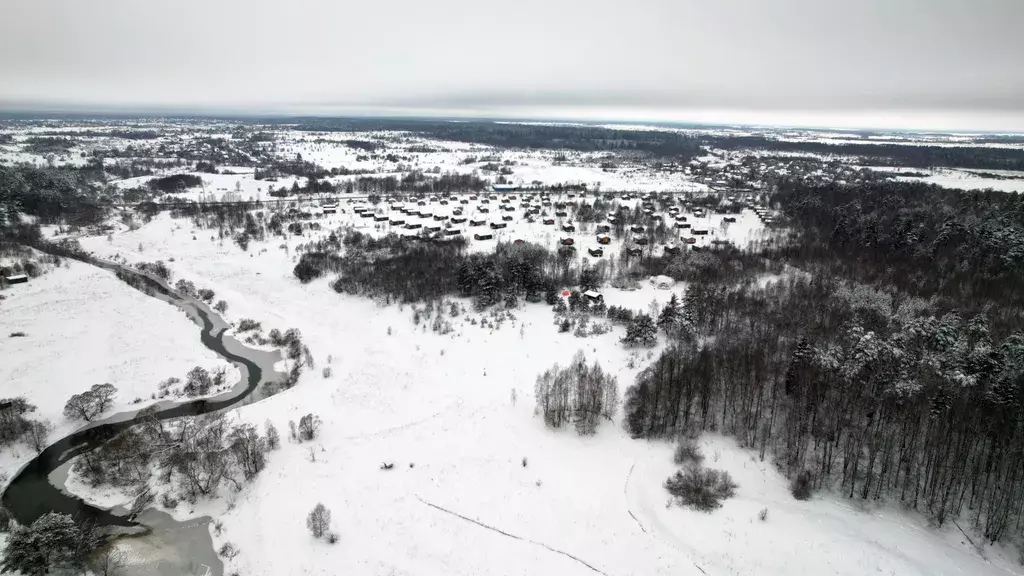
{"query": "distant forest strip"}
pixel 914 156
pixel 683 147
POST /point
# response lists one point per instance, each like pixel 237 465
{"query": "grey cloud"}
pixel 253 55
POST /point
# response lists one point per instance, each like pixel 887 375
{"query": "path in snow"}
pixel 502 532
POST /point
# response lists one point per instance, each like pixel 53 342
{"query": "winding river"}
pixel 31 493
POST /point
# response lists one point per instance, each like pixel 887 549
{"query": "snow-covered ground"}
pixel 83 326
pixel 966 180
pixel 459 500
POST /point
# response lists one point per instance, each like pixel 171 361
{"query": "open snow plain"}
pixel 479 484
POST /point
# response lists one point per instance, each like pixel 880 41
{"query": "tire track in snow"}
pixel 625 489
pixel 503 533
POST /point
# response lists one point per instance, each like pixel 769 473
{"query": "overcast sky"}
pixel 950 64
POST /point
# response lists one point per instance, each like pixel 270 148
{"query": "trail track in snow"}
pixel 668 542
pixel 520 538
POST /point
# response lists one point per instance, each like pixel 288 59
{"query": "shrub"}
pixel 228 550
pixel 206 295
pixel 701 488
pixel 247 324
pixel 763 515
pixel 800 487
pixel 168 501
pixel 17 334
pixel 687 452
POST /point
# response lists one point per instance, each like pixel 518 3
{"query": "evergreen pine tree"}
pixel 670 317
pixel 641 331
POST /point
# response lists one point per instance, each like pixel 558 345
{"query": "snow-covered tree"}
pixel 641 331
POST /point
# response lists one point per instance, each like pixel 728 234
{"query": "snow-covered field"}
pixel 459 499
pixel 966 180
pixel 83 326
pixel 479 485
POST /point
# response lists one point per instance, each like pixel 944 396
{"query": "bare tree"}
pixel 80 406
pixel 273 438
pixel 104 396
pixel 37 433
pixel 249 449
pixel 319 520
pixel 308 426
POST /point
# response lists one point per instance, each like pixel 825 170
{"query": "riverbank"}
pixel 31 492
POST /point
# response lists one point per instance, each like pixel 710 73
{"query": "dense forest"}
pixel 895 369
pixel 915 156
pixel 681 147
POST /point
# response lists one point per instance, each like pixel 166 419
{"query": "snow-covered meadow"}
pixel 455 416
pixel 83 326
pixel 479 485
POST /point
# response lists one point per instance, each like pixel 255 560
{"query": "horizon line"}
pixel 42 111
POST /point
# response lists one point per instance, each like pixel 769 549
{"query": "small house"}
pixel 596 252
pixel 475 222
pixel 566 241
pixel 604 239
pixel 484 210
pixel 498 225
pixel 507 218
pixel 549 221
pixel 699 232
pixel 367 214
pixel 452 232
pixel 440 217
pixel 729 219
pixel 330 208
pixel 397 221
pixel 594 296
pixel 16 279
pixel 673 250
pixel 568 228
pixel 634 251
pixel 458 219
pixel 483 236
pixel 662 282
pixel 434 228
pixel 413 226
pixel 561 213
pixel 683 225
pixel 637 229
pixel 604 229
pixel 640 241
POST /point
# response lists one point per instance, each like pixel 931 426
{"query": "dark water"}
pixel 30 494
